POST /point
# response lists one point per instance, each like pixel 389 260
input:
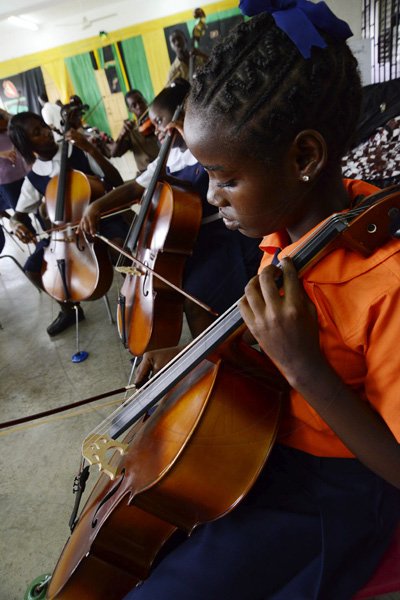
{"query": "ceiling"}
pixel 62 21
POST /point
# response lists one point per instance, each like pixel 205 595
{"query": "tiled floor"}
pixel 39 459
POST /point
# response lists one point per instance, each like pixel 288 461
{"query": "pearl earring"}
pixel 305 178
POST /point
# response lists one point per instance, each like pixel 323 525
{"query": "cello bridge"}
pixel 65 239
pixel 129 271
pixel 96 449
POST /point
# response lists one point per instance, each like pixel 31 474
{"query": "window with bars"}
pixel 380 23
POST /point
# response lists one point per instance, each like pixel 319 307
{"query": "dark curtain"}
pixel 167 32
pixel 217 26
pixel 380 102
pixel 19 92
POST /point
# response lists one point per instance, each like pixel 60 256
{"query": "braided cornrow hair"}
pixel 257 83
pixel 170 97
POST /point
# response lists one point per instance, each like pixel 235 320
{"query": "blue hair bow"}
pixel 300 20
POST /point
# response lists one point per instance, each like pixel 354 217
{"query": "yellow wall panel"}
pixel 114 104
pixel 157 58
pixel 40 59
pixel 58 74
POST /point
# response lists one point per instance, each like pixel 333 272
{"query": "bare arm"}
pixel 10 155
pixel 126 194
pixel 178 125
pixel 286 328
pixel 153 361
pixel 110 172
pixel 21 225
pixel 122 143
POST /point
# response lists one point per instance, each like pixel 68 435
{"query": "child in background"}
pixel 34 139
pixel 12 168
pixel 142 143
pixel 222 261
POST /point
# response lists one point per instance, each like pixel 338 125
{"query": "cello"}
pixel 150 313
pixel 198 31
pixel 73 269
pixel 216 425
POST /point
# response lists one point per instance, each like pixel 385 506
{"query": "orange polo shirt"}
pixel 358 305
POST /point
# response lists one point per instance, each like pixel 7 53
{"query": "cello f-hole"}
pixel 107 497
pixel 81 247
pixel 145 279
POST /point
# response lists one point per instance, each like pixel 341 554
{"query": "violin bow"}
pixel 58 409
pixel 89 114
pixel 131 271
pixel 74 225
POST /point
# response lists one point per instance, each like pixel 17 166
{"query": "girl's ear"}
pixel 311 154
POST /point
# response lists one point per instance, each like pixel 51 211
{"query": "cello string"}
pixel 298 251
pixel 173 368
pixel 63 228
pixel 220 323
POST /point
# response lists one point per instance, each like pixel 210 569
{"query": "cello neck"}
pixel 165 379
pixel 62 178
pixel 148 195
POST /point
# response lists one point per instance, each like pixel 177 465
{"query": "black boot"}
pixel 66 317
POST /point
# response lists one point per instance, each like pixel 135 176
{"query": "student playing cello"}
pixel 35 142
pixel 269 117
pixel 209 275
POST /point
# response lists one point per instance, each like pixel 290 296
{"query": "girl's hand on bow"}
pixel 127 127
pixel 283 321
pixel 153 361
pixel 75 137
pixel 89 222
pixel 22 232
pixel 178 125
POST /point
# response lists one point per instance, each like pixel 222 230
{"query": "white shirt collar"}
pixel 47 167
pixel 178 160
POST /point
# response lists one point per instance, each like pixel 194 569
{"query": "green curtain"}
pixel 136 66
pixel 83 79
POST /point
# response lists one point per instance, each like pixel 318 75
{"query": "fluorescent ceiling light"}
pixel 24 23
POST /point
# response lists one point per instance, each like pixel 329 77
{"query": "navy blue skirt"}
pixel 222 263
pixel 311 528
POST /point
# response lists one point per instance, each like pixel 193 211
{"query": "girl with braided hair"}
pixel 207 275
pixel 269 117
